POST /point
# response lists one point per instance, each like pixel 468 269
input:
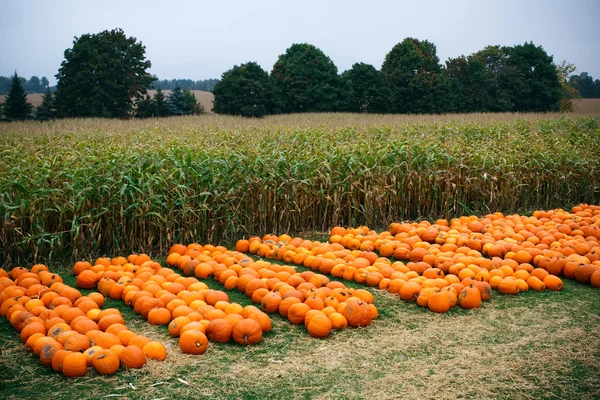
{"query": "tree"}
pixel 535 86
pixel 145 107
pixel 584 83
pixel 245 90
pixel 16 106
pixel 33 85
pixel 102 75
pixel 46 111
pixel 161 104
pixel 308 80
pixel 367 92
pixel 469 85
pixel 177 102
pixel 44 82
pixel 192 105
pixel 496 78
pixel 568 91
pixel 415 75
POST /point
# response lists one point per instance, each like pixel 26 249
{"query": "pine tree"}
pixel 161 104
pixel 193 106
pixel 46 111
pixel 145 107
pixel 177 102
pixel 16 106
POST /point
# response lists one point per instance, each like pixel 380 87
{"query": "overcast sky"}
pixel 202 39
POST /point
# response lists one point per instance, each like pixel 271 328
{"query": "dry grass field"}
pixel 205 98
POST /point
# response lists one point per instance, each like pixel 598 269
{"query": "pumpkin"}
pixel 155 351
pixel 31 329
pixel 469 297
pixel 409 291
pixel 319 326
pixel 338 321
pixel 87 279
pixel 297 312
pixel 485 290
pixel 139 341
pixel 583 273
pixel 106 362
pixel 89 354
pixel 553 282
pixel 133 357
pixel 270 302
pixel 509 287
pixel 77 342
pixel 176 324
pixel 248 331
pixel 439 302
pixel 536 284
pixel 285 305
pixel 193 342
pixel 47 352
pixel 74 364
pixel 595 279
pixel 159 316
pixel 219 330
pixel 358 313
pixel 58 359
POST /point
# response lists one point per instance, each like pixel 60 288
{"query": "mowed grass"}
pixel 530 346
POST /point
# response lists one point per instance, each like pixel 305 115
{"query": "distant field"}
pixel 205 98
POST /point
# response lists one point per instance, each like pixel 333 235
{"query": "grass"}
pixel 78 188
pixel 530 346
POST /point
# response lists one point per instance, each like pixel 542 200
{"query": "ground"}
pixel 534 345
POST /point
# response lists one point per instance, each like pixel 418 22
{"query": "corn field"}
pixel 82 188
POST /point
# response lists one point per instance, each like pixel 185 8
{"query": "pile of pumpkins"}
pixel 445 264
pixel 303 298
pixel 67 330
pixel 193 312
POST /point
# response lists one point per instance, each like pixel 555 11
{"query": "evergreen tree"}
pixel 178 104
pixel 46 111
pixel 16 106
pixel 192 104
pixel 161 104
pixel 145 107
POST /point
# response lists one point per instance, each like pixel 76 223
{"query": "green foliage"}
pixel 412 69
pixel 469 85
pixel 568 91
pixel 206 85
pixel 367 90
pixel 183 102
pixel 245 90
pixel 161 104
pixel 46 110
pixel 308 80
pixel 535 86
pixel 101 76
pixel 145 107
pixel 33 85
pixel 16 106
pixel 113 188
pixel 586 85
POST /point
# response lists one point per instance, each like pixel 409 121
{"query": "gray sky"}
pixel 201 39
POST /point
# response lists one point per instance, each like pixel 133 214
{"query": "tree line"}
pixel 521 78
pixel 206 85
pixel 33 85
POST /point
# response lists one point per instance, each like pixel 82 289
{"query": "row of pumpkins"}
pixel 193 312
pixel 68 331
pixel 303 298
pixel 445 264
